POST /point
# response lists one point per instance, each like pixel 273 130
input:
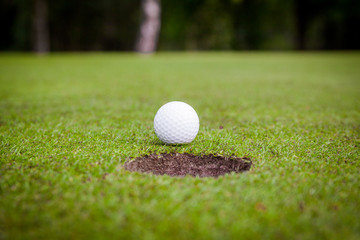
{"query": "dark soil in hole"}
pixel 176 164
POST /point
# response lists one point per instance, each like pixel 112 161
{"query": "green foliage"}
pixel 188 24
pixel 69 121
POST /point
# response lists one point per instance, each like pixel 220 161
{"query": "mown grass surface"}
pixel 69 121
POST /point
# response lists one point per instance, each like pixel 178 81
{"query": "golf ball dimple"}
pixel 176 123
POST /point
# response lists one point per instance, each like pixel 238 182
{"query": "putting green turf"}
pixel 69 121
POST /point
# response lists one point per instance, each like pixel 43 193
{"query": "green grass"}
pixel 69 121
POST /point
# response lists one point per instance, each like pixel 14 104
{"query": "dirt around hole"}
pixel 176 164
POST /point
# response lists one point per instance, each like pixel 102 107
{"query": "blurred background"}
pixel 149 25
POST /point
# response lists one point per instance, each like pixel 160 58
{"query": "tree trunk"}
pixel 40 25
pixel 304 12
pixel 150 26
pixel 301 24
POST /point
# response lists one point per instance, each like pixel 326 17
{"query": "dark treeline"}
pixel 81 25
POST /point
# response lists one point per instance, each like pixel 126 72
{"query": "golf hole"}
pixel 180 165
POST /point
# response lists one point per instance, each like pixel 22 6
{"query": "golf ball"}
pixel 176 123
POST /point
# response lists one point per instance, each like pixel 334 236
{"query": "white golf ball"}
pixel 176 123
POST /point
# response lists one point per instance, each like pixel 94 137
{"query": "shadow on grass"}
pixel 157 142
